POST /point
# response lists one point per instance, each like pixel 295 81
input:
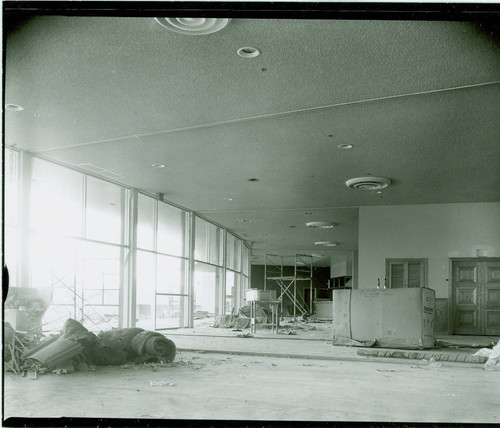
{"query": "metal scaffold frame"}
pixel 274 271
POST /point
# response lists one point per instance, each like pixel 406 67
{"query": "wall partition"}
pixel 108 255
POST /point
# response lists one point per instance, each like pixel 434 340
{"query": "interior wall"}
pixel 436 232
pixel 320 278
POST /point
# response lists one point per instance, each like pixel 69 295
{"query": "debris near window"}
pixel 245 335
pixel 75 348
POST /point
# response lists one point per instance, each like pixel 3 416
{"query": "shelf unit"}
pixel 274 271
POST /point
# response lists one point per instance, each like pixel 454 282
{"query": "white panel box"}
pixel 394 318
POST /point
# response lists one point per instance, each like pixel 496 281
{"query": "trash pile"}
pixel 242 319
pixel 493 355
pixel 75 348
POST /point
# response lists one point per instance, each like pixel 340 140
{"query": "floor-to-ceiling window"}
pixel 68 233
pixel 162 265
pixel 13 213
pixel 77 244
pixel 208 271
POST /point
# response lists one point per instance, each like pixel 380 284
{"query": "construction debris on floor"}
pixel 242 318
pixel 75 348
pixel 492 355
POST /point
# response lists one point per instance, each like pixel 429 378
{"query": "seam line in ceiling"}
pixel 270 115
pixel 276 209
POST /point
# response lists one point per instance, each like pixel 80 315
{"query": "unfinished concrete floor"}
pixel 235 387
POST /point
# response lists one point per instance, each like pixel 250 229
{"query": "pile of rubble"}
pixel 75 348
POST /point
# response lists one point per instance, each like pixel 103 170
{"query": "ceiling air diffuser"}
pixel 193 26
pixel 320 225
pixel 368 183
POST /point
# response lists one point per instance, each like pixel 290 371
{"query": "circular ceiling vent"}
pixel 320 225
pixel 368 183
pixel 193 26
pixel 326 243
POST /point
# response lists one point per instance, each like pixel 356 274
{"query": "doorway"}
pixel 475 296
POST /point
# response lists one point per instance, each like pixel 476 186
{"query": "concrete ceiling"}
pixel 417 100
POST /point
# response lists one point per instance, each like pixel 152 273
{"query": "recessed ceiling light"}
pixel 345 146
pixel 14 107
pixel 248 52
pixel 229 199
pixel 158 165
pixel 193 26
pixel 320 224
pixel 368 183
pixel 326 243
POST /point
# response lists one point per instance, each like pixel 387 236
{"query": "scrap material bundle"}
pixel 75 345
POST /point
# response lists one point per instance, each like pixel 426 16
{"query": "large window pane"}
pixel 243 288
pixel 56 199
pixel 233 252
pixel 100 285
pixel 171 275
pixel 104 211
pixel 171 311
pixel 172 230
pixel 232 283
pixel 145 289
pixel 12 183
pixel 201 240
pixel 215 236
pixel 207 280
pixel 245 261
pixel 146 222
pixel 12 227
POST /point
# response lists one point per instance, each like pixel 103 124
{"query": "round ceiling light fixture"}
pixel 193 26
pixel 158 165
pixel 345 146
pixel 14 107
pixel 368 183
pixel 320 225
pixel 248 52
pixel 326 243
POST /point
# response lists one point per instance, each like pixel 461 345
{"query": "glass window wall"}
pixel 162 272
pixel 104 211
pixel 78 251
pixel 207 292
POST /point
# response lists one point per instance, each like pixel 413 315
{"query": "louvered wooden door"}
pixel 476 296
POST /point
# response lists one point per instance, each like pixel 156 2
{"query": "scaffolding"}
pixel 275 269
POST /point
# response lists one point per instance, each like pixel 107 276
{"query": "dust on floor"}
pixel 236 387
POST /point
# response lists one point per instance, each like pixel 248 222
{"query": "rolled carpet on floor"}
pixel 150 343
pixel 140 345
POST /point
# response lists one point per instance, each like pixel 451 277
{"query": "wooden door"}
pixel 491 310
pixel 476 296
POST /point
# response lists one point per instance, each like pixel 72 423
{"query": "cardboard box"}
pixel 395 318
